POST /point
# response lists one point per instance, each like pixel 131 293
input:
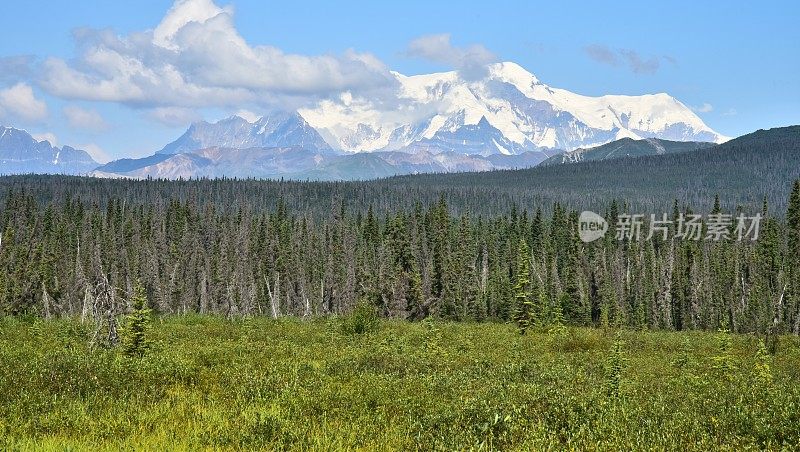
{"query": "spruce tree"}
pixel 793 258
pixel 523 294
pixel 793 222
pixel 134 338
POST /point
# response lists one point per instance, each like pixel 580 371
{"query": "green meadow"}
pixel 207 383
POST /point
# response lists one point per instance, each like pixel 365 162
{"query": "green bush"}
pixel 364 319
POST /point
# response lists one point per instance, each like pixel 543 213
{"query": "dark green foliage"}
pixel 362 320
pixel 135 340
pixel 407 264
pixel 628 147
pixel 793 221
pixel 523 289
pixel 444 246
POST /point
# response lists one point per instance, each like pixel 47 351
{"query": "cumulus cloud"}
pixel 627 58
pixel 19 103
pixel 705 108
pixel 471 61
pixel 84 119
pixel 196 58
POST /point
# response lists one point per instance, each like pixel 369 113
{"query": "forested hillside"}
pixel 77 258
pixel 465 247
pixel 627 147
pixel 742 171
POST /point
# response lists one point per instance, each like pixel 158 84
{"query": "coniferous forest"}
pixel 423 312
pixel 193 255
pixel 236 225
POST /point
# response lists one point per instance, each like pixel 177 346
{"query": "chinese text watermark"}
pixel 714 227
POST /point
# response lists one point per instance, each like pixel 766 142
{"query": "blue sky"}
pixel 736 63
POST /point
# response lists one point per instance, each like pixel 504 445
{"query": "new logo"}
pixel 591 226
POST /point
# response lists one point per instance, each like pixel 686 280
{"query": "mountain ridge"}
pixel 627 147
pixel 452 123
pixel 20 152
pixel 530 114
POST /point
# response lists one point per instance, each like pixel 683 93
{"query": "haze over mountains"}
pixel 627 147
pixel 743 171
pixel 440 122
pixel 21 153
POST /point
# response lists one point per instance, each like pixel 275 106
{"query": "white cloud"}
pixel 705 108
pixel 470 61
pixel 46 136
pixel 730 112
pixel 174 116
pixel 196 58
pixel 84 119
pixel 184 12
pixel 19 103
pixel 97 153
pixel 248 115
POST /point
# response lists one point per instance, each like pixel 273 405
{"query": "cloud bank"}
pixel 196 58
pixel 19 101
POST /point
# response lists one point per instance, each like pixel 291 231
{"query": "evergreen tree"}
pixel 134 337
pixel 523 293
pixel 793 222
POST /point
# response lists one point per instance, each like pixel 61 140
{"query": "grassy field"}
pixel 209 383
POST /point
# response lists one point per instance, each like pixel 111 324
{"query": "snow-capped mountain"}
pixel 20 153
pixel 434 122
pixel 529 114
pixel 304 164
pixel 509 111
pixel 280 129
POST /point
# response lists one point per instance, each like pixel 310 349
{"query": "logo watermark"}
pixel 591 226
pixel 713 227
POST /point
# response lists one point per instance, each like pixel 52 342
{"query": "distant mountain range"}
pixel 433 123
pixel 305 164
pixel 508 111
pixel 627 147
pixel 743 172
pixel 20 153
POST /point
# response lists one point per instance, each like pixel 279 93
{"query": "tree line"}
pixel 70 256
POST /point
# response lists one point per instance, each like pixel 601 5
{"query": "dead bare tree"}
pixel 102 296
pixel 104 312
pixel 47 301
pixel 274 297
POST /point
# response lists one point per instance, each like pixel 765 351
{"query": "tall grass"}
pixel 210 383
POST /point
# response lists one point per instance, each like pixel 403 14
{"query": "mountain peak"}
pixel 510 71
pixel 21 153
pixel 527 112
pixel 278 129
